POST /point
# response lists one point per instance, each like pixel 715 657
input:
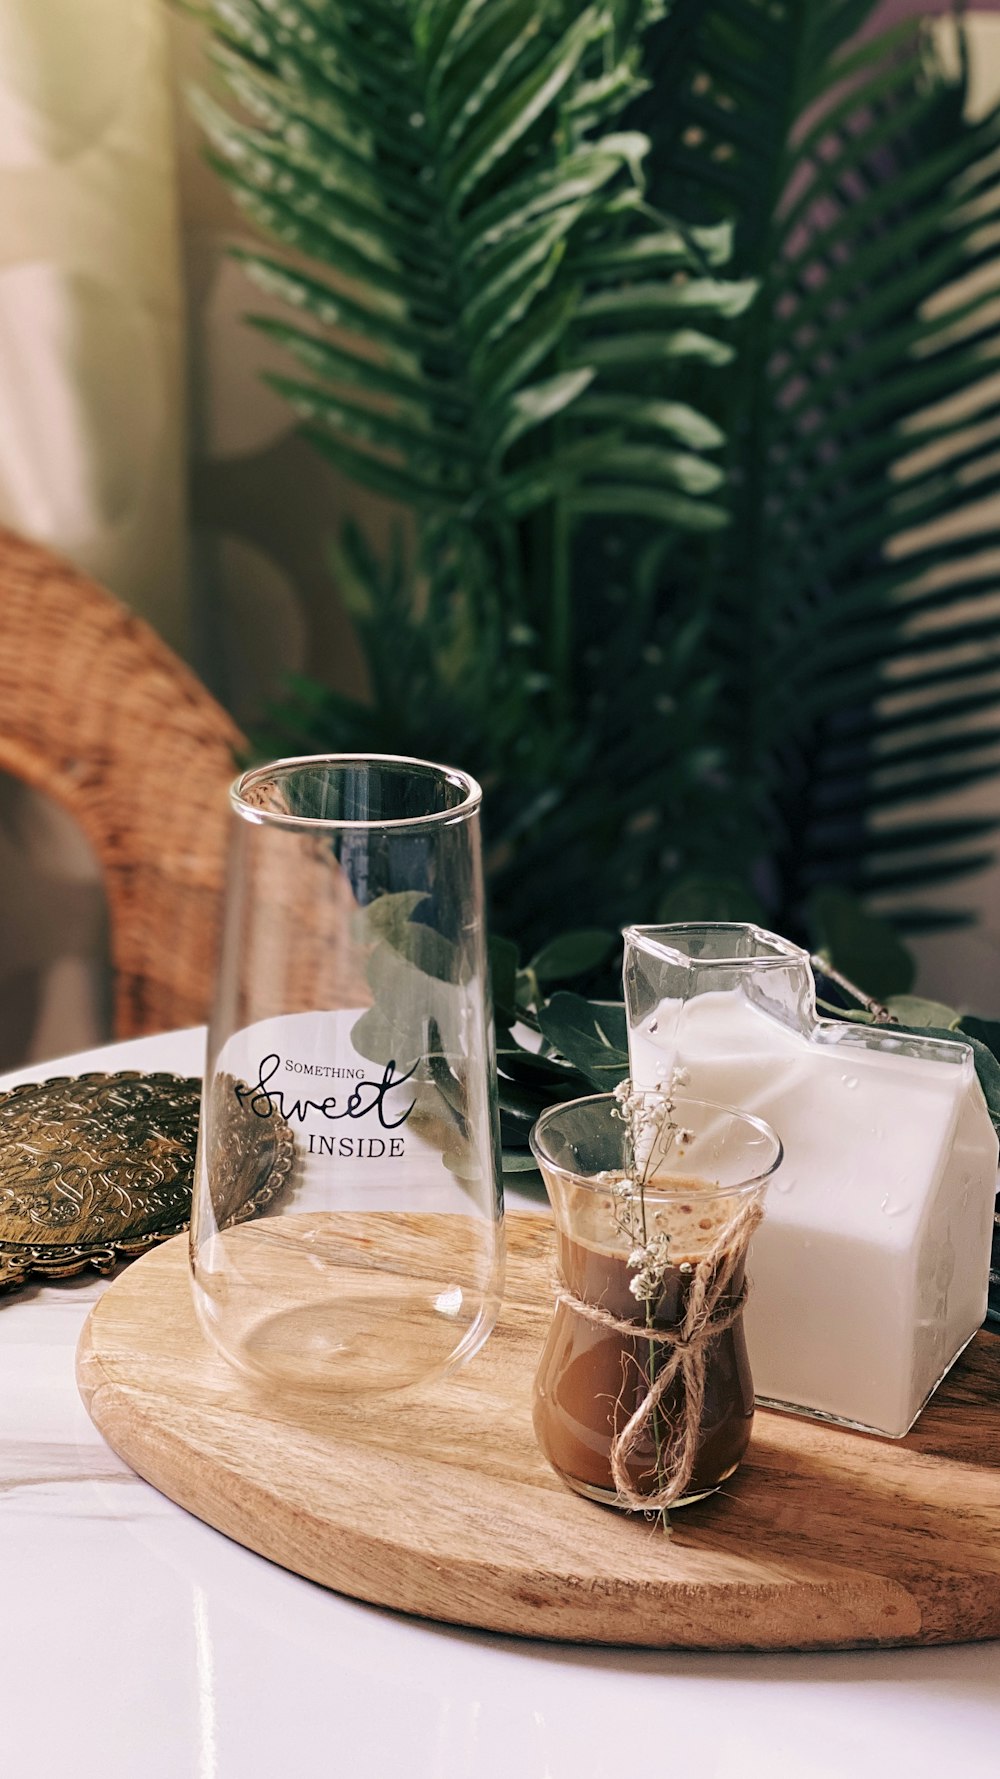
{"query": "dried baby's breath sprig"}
pixel 649 1263
pixel 652 1134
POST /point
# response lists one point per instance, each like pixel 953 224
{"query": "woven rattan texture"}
pixel 99 714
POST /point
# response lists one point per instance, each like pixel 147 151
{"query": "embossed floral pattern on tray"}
pixel 96 1168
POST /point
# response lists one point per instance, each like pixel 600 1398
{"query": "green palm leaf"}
pixel 863 431
pixel 492 330
pixel 390 168
pixel 519 243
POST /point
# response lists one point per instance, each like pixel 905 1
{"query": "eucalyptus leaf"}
pixel 542 1071
pixel 590 1036
pixel 985 1031
pixel 913 1011
pixel 572 954
pixel 389 916
pixel 415 1011
pixel 377 1037
pixel 987 1065
pixel 503 977
pixel 444 1078
pixel 460 1163
pixel 516 1126
pixel 517 1161
pixel 523 1102
pixel 422 946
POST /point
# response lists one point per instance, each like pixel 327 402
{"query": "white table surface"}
pixel 136 1643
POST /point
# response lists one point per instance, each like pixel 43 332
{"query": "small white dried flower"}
pixel 680 1078
pixel 658 1251
pixel 649 1262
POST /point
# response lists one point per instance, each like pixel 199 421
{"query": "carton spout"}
pixel 666 967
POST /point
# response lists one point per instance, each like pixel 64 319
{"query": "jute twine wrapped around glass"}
pixel 643 1397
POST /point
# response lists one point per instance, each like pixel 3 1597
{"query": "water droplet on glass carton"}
pixel 849 1080
pixel 893 1207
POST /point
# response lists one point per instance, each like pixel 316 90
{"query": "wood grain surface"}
pixel 438 1502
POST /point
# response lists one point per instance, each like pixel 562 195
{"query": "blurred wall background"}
pixel 138 439
pixel 93 433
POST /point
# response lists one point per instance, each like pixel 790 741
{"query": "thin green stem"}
pixel 560 621
pixel 561 607
pixel 880 1015
pixel 656 1427
pixel 656 1424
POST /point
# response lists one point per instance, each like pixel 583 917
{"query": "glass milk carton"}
pixel 870 1270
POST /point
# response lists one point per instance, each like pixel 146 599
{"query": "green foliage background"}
pixel 653 321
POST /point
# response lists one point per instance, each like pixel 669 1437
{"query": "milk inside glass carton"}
pixel 871 1268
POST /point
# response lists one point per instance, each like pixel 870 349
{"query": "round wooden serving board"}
pixel 438 1501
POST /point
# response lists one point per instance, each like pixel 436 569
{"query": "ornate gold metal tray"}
pixel 97 1168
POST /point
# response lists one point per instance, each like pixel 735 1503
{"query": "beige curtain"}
pixel 92 430
pixel 136 436
pixel 264 505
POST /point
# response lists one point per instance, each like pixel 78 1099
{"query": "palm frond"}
pixel 493 330
pixel 864 430
pixel 380 144
pixel 519 244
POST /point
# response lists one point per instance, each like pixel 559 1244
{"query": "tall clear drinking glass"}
pixel 350 1090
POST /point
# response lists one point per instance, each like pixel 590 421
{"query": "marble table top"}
pixel 136 1643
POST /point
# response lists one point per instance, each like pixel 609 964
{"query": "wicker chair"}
pixel 99 714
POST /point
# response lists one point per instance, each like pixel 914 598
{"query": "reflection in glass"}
pixel 352 1031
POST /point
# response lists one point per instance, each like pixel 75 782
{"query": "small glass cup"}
pixel 346 1230
pixel 693 1213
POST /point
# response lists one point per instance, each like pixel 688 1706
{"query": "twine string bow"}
pixel 705 1317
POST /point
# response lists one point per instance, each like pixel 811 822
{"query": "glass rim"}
pixel 279 818
pixel 784 952
pixel 593 1184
